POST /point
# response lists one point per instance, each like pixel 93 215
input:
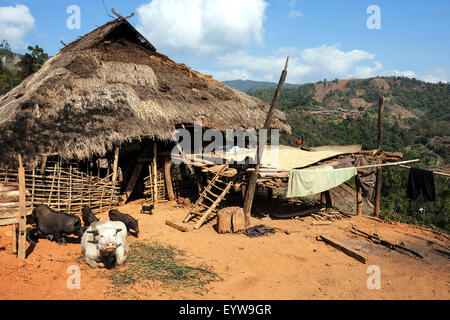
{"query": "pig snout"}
pixel 109 247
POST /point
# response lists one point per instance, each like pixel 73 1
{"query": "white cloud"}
pixel 305 65
pixel 436 75
pixel 15 23
pixel 293 14
pixel 202 27
pixel 367 71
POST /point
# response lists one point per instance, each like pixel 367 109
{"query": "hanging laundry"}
pixel 366 177
pixel 306 182
pixel 421 180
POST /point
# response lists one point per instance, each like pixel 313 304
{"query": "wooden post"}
pixel 379 147
pixel 269 194
pixel 136 172
pixel 155 172
pixel 328 201
pixel 358 199
pixel 22 211
pixel 254 176
pixel 168 177
pixel 116 164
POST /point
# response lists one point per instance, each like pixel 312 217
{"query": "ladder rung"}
pixel 212 193
pixel 205 206
pixel 212 201
pixel 220 181
pixel 221 189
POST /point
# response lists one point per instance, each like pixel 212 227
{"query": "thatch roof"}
pixel 112 86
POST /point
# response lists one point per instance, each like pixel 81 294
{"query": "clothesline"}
pixel 401 165
pixel 434 172
pixel 388 164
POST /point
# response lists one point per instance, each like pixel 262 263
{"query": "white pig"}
pixel 104 244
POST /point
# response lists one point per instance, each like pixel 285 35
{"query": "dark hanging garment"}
pixel 420 180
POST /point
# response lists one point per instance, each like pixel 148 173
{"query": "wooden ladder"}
pixel 214 193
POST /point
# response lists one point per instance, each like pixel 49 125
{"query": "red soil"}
pixel 280 266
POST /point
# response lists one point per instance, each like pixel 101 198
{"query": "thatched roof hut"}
pixel 110 87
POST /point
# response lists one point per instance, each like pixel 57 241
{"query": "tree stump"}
pixel 224 220
pixel 231 219
pixel 238 220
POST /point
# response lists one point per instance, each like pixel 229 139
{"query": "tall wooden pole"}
pixel 22 212
pixel 155 172
pixel 358 198
pixel 116 165
pixel 379 147
pixel 254 176
pixel 168 178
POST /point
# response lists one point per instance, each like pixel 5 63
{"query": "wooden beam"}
pixel 168 178
pixel 340 246
pixel 251 186
pixel 22 211
pixel 116 164
pixel 176 226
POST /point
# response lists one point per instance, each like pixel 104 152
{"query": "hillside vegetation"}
pixel 417 122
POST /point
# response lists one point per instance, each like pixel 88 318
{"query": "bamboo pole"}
pixel 155 172
pixel 254 176
pixel 22 211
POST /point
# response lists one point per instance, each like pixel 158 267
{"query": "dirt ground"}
pixel 279 266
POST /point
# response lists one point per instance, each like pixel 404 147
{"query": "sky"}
pixel 250 39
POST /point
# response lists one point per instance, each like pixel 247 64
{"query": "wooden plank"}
pixel 340 246
pixel 176 226
pixel 7 222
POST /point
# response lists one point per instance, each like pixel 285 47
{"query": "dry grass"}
pixel 156 262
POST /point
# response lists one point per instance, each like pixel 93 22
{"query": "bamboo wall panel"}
pixel 66 188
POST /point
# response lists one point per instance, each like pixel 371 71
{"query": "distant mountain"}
pixel 9 60
pixel 416 122
pixel 250 85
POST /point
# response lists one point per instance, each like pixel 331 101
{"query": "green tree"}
pixel 32 62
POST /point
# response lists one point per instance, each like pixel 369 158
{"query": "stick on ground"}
pixel 340 246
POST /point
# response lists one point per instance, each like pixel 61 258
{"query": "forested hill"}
pixel 417 123
pixel 417 115
pixel 249 85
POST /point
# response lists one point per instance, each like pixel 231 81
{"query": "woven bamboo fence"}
pixel 149 190
pixel 184 185
pixel 64 187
